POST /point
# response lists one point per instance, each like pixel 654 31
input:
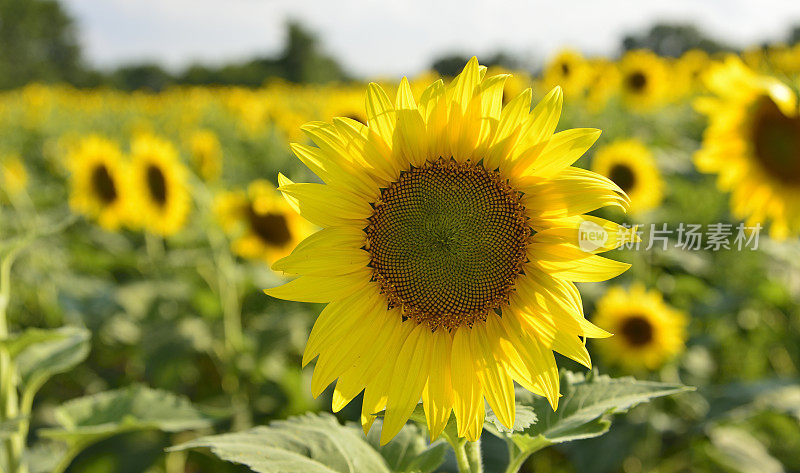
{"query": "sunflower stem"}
pixel 468 455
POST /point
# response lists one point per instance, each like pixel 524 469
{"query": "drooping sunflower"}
pixel 568 70
pixel 261 221
pixel 206 153
pixel 158 180
pixel 647 331
pixel 630 164
pixel 644 80
pixel 448 251
pixel 99 182
pixel 752 143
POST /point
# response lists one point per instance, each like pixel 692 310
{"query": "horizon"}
pixel 119 32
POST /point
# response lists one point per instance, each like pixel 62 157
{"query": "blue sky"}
pixel 392 38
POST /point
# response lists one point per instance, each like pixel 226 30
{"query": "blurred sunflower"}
pixel 602 83
pixel 689 69
pixel 569 70
pixel 439 216
pixel 264 225
pixel 753 144
pixel 631 166
pixel 345 103
pixel 99 183
pixel 643 79
pixel 647 331
pixel 158 180
pixel 13 175
pixel 206 154
pixel 517 82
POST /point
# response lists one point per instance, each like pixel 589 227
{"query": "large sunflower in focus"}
pixel 644 80
pixel 647 332
pixel 631 166
pixel 159 182
pixel 448 251
pixel 262 223
pixel 99 183
pixel 753 144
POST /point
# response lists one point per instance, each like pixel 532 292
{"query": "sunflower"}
pixel 448 251
pixel 631 166
pixel 602 83
pixel 569 70
pixel 264 225
pixel 206 154
pixel 689 69
pixel 647 331
pixel 517 82
pixel 345 103
pixel 753 144
pixel 644 79
pixel 159 182
pixel 13 175
pixel 99 184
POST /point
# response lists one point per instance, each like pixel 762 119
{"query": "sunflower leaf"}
pixel 88 419
pixel 312 443
pixel 584 409
pixel 525 417
pixel 40 354
pixel 408 452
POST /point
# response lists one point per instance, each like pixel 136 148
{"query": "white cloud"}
pixel 373 37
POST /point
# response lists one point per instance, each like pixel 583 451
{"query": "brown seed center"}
pixel 447 241
pixel 776 142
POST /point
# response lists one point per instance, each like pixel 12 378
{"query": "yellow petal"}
pixel 408 380
pixel 380 113
pixel 563 149
pixel 333 322
pixel 465 83
pixel 324 205
pixel 321 289
pixel 331 251
pixel 540 361
pixel 467 393
pixel 573 264
pixel 437 397
pixel 498 388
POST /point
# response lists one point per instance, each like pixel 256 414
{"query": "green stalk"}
pixel 468 454
pixel 9 406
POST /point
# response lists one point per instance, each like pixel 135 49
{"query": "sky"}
pixel 392 38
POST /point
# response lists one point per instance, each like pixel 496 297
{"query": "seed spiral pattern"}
pixel 447 241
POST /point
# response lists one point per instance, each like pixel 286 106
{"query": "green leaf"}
pixel 43 457
pixel 738 450
pixel 88 419
pixel 584 408
pixel 307 444
pixel 39 361
pixel 523 419
pixel 408 452
pixel 17 342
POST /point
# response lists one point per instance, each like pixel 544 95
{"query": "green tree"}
pixel 672 40
pixel 38 43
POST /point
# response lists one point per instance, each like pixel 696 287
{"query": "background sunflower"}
pixel 161 201
pixel 647 332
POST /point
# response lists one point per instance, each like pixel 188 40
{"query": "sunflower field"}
pixel 405 276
